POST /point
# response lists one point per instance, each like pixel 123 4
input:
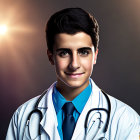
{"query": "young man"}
pixel 74 107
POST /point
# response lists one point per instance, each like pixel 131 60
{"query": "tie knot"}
pixel 68 108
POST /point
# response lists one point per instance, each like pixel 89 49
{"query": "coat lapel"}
pixel 93 102
pixel 49 121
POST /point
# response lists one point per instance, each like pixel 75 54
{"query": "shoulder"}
pixel 19 119
pixel 28 104
pixel 21 115
pixel 123 115
pixel 118 106
pixel 123 118
pixel 24 109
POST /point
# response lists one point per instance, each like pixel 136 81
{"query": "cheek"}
pixel 88 64
pixel 60 64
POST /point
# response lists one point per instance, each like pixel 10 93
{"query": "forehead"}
pixel 78 40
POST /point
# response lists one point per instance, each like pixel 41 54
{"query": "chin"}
pixel 76 84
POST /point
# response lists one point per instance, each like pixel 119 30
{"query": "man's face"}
pixel 73 58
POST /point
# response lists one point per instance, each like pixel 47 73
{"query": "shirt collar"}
pixel 58 100
pixel 79 102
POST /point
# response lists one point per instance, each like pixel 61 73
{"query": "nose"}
pixel 74 62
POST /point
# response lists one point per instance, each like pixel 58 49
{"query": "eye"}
pixel 63 53
pixel 83 52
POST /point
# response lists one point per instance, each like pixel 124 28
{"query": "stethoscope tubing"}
pixel 99 109
pixel 87 116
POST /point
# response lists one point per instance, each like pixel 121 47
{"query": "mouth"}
pixel 74 75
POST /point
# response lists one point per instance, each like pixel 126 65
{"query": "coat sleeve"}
pixel 12 129
pixel 17 124
pixel 129 125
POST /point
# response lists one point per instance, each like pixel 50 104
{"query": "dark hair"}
pixel 71 21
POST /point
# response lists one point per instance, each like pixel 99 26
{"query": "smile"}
pixel 74 75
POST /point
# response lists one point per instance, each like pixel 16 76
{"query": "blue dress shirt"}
pixel 78 102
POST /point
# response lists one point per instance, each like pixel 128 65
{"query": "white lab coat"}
pixel 124 122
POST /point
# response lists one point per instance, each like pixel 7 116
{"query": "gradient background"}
pixel 24 68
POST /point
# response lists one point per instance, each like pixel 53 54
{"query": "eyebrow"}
pixel 67 49
pixel 85 48
pixel 62 49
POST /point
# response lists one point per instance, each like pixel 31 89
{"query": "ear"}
pixel 95 56
pixel 50 57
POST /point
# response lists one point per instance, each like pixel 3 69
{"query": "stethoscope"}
pixel 100 117
pixel 36 110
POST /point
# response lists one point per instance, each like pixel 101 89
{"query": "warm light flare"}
pixel 3 29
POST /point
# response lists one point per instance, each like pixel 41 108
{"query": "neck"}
pixel 68 92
